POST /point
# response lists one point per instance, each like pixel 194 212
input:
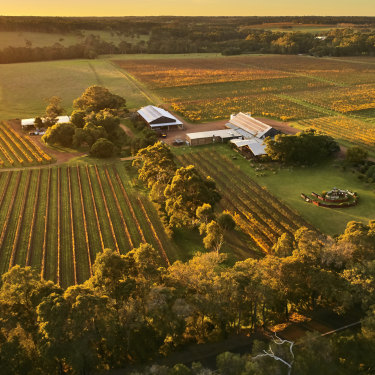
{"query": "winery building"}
pixel 158 118
pixel 213 136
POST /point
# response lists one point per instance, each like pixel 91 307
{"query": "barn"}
pixel 214 136
pixel 249 127
pixel 158 118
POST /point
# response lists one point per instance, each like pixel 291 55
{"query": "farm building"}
pixel 29 122
pixel 214 136
pixel 158 118
pixel 249 127
pixel 250 147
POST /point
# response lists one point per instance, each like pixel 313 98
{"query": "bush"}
pixel 102 148
pixel 226 222
pixel 60 134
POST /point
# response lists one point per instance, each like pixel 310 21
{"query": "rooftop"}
pixel 246 123
pixel 226 133
pixel 151 113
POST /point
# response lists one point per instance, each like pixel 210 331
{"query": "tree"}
pixel 356 154
pixel 96 98
pixel 284 246
pixel 102 148
pixel 53 110
pixel 307 147
pixel 185 193
pixel 214 238
pixel 77 118
pixel 60 134
pixel 226 221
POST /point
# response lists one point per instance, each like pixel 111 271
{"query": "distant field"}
pixel 287 184
pixel 298 89
pixel 25 86
pixel 38 39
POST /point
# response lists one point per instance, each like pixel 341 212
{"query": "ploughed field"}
pixel 334 95
pixel 57 219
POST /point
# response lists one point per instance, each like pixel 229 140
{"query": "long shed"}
pixel 158 118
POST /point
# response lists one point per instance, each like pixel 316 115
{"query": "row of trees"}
pixel 307 147
pixel 94 123
pixel 133 309
pixel 184 198
pixel 194 36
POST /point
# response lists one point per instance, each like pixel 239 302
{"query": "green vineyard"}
pixel 258 213
pixel 58 219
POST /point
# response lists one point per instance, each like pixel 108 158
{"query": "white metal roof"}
pixel 151 113
pixel 224 133
pixel 30 121
pixel 256 147
pixel 249 124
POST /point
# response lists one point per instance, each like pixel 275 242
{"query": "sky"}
pixel 187 7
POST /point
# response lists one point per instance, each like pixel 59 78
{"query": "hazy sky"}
pixel 187 7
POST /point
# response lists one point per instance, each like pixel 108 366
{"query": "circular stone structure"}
pixel 335 198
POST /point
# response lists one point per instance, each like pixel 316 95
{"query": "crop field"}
pixel 58 219
pixel 329 94
pixel 18 150
pixel 257 212
pixel 25 86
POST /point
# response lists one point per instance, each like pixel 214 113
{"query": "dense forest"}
pixel 226 35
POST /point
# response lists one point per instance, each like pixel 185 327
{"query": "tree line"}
pixel 135 309
pixel 226 35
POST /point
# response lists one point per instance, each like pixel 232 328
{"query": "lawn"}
pixel 288 183
pixel 25 86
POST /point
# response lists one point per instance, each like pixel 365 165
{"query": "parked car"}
pixel 179 142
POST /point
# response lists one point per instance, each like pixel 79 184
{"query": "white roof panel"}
pixel 224 133
pixel 151 113
pixel 249 124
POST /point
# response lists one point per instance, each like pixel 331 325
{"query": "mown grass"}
pixel 25 86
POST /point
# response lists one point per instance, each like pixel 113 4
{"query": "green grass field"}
pixel 25 86
pixel 288 183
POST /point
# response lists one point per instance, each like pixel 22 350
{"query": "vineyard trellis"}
pixel 48 219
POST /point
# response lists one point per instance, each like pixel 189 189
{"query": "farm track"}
pixel 55 219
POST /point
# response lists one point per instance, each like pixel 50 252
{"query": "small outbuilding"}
pixel 214 136
pixel 251 148
pixel 28 123
pixel 158 118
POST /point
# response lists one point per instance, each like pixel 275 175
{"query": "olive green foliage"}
pixel 53 110
pixel 77 118
pixel 96 98
pixel 185 193
pixel 356 154
pixel 226 221
pixel 135 308
pixel 60 134
pixel 214 238
pixel 307 147
pixel 102 148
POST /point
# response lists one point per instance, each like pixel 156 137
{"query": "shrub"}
pixel 102 148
